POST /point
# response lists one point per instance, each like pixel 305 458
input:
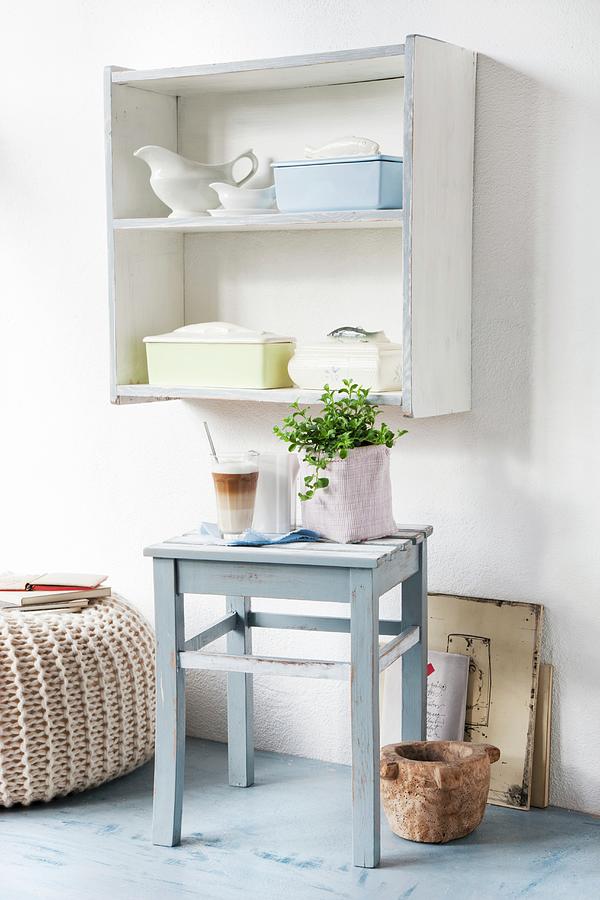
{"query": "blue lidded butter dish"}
pixel 340 183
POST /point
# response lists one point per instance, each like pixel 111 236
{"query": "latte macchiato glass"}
pixel 235 476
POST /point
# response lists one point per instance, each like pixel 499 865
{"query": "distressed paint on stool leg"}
pixel 364 690
pixel 240 700
pixel 170 706
pixel 414 662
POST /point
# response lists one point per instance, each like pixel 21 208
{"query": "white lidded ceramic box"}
pixel 357 182
pixel 218 354
pixel 369 358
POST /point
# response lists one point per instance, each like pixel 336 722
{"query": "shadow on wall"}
pixel 481 462
pixel 508 264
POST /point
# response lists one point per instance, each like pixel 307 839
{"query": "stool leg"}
pixel 414 661
pixel 364 622
pixel 240 700
pixel 170 706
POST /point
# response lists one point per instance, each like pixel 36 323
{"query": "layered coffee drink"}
pixel 235 476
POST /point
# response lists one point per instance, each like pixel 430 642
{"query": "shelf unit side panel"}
pixel 149 296
pixel 439 138
pixel 108 169
pixel 138 117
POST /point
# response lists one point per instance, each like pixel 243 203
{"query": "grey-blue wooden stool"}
pixel 356 574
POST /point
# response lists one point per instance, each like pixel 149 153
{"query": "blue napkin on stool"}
pixel 210 534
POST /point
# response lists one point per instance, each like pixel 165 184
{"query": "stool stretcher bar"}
pixel 315 623
pixel 212 632
pixel 264 665
pixel 229 623
pixel 394 649
pixel 194 658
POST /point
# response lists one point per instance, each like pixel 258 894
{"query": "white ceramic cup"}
pixel 275 508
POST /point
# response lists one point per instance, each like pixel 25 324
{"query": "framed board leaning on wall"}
pixel 502 639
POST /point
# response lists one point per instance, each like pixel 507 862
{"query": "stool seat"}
pixel 369 554
pixel 352 574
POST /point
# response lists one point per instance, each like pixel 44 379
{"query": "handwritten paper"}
pixel 447 696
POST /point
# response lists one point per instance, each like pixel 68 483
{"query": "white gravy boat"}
pixel 234 197
pixel 184 184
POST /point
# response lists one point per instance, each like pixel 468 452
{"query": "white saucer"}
pixel 227 213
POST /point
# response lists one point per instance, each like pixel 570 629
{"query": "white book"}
pixel 446 699
pixel 69 607
pixel 73 606
pixel 13 599
pixel 10 581
pixel 447 696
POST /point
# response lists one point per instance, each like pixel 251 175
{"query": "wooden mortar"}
pixel 435 791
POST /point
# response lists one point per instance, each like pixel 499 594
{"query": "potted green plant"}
pixel 344 464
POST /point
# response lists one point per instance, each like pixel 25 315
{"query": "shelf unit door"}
pixel 439 123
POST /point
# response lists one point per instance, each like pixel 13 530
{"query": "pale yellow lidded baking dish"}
pixel 218 354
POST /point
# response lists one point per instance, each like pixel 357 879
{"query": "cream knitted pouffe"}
pixel 76 699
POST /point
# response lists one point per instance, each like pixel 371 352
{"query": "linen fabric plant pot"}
pixel 357 504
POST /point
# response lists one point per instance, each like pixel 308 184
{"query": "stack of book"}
pixel 50 592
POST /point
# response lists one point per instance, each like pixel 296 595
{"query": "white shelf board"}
pixel 274 395
pixel 364 218
pixel 314 70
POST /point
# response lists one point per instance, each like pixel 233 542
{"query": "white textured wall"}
pixel 512 488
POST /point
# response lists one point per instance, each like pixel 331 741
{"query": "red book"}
pixel 56 587
pixel 50 581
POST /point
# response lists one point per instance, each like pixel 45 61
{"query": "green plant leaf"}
pixel 347 420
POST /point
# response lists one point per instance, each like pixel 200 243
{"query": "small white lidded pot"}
pixel 368 358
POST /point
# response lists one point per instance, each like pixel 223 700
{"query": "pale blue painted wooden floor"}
pixel 286 838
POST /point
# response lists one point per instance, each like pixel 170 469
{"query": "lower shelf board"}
pixel 133 392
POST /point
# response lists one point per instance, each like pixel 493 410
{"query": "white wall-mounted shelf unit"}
pixel 407 271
